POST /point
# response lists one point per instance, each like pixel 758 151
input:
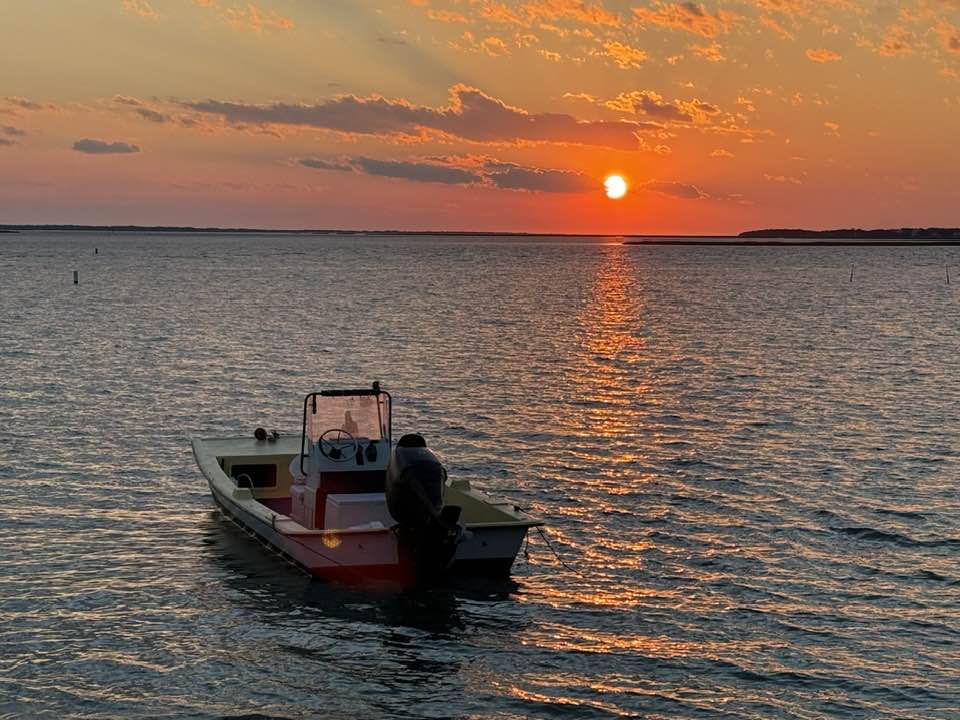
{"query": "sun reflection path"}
pixel 612 343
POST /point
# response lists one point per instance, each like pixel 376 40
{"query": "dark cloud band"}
pixel 100 147
pixel 471 115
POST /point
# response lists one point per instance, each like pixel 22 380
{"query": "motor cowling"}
pixel 429 531
pixel 415 480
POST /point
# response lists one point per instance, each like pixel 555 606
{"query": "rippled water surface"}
pixel 747 460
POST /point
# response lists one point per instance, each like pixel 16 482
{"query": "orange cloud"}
pixel 625 56
pixel 22 103
pixel 538 11
pixel 141 8
pixel 255 19
pixel 711 52
pixel 685 191
pixel 652 104
pixel 949 36
pixel 822 55
pixel 897 41
pixel 498 12
pixel 776 27
pixel 573 10
pixel 492 46
pixel 245 16
pixel 782 179
pixel 687 16
pixel 447 16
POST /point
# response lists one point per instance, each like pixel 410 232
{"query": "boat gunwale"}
pixel 271 517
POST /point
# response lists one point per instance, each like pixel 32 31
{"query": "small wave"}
pixel 908 514
pixel 866 533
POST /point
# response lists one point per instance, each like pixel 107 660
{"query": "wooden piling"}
pixel 76 277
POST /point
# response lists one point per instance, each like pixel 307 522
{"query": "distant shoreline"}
pixel 895 237
pixel 791 242
pixel 907 233
pixel 172 229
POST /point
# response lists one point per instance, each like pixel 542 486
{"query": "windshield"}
pixel 363 416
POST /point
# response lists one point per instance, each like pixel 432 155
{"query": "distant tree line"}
pixel 931 233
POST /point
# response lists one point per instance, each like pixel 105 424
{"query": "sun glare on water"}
pixel 615 186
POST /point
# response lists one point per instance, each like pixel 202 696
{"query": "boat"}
pixel 343 502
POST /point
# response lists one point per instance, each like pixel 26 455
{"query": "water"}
pixel 748 462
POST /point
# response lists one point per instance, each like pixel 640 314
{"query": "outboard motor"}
pixel 415 483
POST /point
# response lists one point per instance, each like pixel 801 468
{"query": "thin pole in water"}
pixel 76 277
pixel 851 273
pixel 947 268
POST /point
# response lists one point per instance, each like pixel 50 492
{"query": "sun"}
pixel 615 186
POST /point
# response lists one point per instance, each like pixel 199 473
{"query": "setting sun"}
pixel 615 186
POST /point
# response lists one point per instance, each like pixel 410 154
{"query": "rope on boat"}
pixel 556 554
pixel 526 547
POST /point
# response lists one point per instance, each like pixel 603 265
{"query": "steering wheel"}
pixel 334 449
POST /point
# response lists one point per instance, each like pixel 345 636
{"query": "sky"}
pixel 480 114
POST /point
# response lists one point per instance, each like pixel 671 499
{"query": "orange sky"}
pixel 481 115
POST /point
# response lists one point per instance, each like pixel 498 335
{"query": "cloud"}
pixel 572 10
pixel 711 53
pixel 416 171
pixel 516 177
pixel 721 153
pixel 141 8
pixel 625 56
pixel 25 104
pixel 492 46
pixel 317 164
pixel 244 15
pixel 152 115
pixel 253 18
pixel 432 171
pixel 949 36
pixel 688 16
pixel 822 55
pixel 540 11
pixel 447 16
pixel 685 191
pixel 498 12
pixel 396 38
pixel 472 115
pixel 6 143
pixel 579 96
pixel 897 41
pixel 463 170
pixel 776 27
pixel 12 131
pixel 782 179
pixel 101 147
pixel 652 104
